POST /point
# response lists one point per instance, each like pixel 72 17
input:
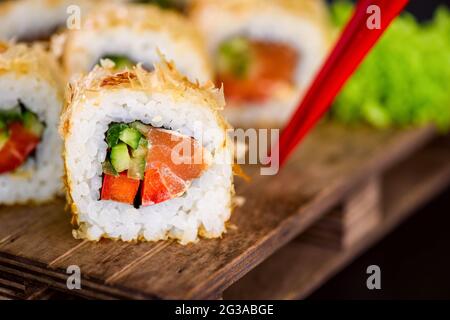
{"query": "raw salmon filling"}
pixel 252 70
pixel 147 165
pixel 20 134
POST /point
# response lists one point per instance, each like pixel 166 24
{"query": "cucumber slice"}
pixel 32 123
pixel 121 62
pixel 131 137
pixel 234 57
pixel 139 126
pixel 4 136
pixel 15 113
pixel 120 158
pixel 142 149
pixel 179 5
pixel 112 136
pixel 109 169
pixel 138 161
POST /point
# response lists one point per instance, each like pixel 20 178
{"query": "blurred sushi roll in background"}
pixel 136 33
pixel 126 176
pixel 31 98
pixel 265 53
pixel 33 20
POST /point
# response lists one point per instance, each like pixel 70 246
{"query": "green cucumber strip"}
pixel 136 169
pixel 32 123
pixel 165 4
pixel 4 136
pixel 120 158
pixel 12 114
pixel 138 161
pixel 234 56
pixel 109 169
pixel 121 62
pixel 141 151
pixel 112 135
pixel 139 126
pixel 131 137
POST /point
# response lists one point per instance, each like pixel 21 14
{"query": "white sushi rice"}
pixel 91 45
pixel 26 18
pixel 204 208
pixel 141 33
pixel 39 179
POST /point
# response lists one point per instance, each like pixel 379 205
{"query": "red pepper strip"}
pixel 20 145
pixel 153 189
pixel 120 188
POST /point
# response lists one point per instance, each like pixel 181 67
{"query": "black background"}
pixel 422 9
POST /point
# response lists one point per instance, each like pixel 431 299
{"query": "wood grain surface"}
pixel 36 242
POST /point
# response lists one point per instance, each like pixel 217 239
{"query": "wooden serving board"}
pixel 334 183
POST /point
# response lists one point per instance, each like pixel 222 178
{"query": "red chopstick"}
pixel 354 43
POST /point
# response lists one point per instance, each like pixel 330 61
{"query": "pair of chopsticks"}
pixel 358 37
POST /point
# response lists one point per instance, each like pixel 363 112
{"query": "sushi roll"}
pixel 147 156
pixel 132 33
pixel 265 53
pixel 31 98
pixel 32 20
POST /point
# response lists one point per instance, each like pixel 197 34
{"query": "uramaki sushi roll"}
pixel 265 53
pixel 132 33
pixel 32 20
pixel 31 98
pixel 121 131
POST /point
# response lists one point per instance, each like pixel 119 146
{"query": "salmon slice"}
pixel 21 143
pixel 272 65
pixel 173 161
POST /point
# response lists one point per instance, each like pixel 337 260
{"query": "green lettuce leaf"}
pixel 405 79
